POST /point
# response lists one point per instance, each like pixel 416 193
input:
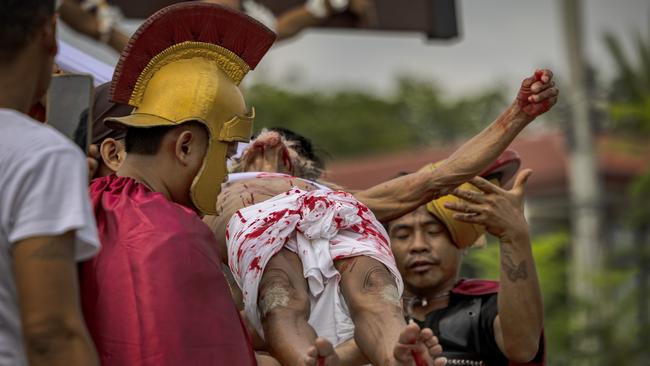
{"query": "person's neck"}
pixel 145 170
pixel 421 304
pixel 18 84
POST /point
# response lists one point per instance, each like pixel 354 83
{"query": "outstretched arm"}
pixel 519 323
pixel 399 196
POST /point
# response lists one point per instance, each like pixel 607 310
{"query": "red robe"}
pixel 155 294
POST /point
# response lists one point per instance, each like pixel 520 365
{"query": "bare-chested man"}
pixel 312 262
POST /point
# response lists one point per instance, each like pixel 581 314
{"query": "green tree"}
pixel 630 90
pixel 349 123
pixel 630 111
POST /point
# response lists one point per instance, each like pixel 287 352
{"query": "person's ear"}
pixel 113 153
pixel 184 146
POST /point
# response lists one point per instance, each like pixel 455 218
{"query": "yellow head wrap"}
pixel 464 234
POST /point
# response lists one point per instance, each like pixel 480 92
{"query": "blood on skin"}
pixel 259 145
pixel 286 159
pixel 417 357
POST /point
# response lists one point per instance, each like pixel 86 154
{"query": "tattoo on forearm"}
pixel 514 271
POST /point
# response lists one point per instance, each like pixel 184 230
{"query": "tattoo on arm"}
pixel 514 271
pixel 376 278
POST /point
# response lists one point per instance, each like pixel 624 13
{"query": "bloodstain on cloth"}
pixel 320 226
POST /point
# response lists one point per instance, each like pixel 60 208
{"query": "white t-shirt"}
pixel 43 191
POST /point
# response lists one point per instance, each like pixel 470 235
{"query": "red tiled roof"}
pixel 619 160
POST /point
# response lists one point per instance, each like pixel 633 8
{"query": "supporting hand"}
pixel 499 210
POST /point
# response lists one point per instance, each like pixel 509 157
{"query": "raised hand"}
pixel 499 210
pixel 537 94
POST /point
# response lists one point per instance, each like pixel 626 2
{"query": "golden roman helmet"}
pixel 185 64
pixel 464 234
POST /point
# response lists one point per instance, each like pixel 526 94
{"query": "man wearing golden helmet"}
pixel 315 265
pixel 155 294
pixel 477 322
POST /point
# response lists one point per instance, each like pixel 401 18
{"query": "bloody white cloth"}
pixel 320 226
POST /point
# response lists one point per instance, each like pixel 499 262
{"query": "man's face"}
pixel 426 257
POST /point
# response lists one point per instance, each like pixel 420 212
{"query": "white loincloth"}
pixel 319 226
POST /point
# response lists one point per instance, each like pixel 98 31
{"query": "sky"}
pixel 501 41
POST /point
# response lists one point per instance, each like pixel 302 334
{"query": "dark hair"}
pixel 19 19
pixel 303 147
pixel 145 141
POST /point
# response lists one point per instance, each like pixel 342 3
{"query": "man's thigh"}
pixel 283 285
pixel 363 277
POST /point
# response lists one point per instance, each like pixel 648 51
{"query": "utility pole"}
pixel 585 198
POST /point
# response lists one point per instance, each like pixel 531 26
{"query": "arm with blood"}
pixel 401 195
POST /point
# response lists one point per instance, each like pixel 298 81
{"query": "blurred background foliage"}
pixel 349 123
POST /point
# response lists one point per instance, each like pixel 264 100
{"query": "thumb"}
pixel 520 181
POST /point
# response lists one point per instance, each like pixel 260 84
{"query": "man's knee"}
pixel 278 295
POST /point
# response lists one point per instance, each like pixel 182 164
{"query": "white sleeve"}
pixel 50 197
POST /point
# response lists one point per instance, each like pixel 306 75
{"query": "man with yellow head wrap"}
pixel 155 294
pixel 477 322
